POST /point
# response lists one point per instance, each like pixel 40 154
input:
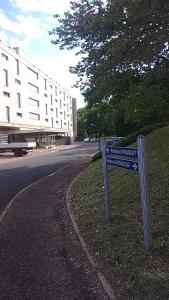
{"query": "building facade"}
pixel 32 105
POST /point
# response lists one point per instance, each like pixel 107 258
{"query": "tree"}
pixel 122 37
pixel 81 123
pixel 95 122
pixel 124 55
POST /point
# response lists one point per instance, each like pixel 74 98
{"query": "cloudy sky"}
pixel 25 24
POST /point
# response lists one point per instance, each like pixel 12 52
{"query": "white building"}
pixel 32 105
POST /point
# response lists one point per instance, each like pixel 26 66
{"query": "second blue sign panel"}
pixel 122 164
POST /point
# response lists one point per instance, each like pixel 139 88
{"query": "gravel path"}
pixel 40 256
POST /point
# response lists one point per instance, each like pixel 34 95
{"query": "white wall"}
pixel 29 74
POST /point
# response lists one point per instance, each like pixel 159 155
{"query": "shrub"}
pixel 133 137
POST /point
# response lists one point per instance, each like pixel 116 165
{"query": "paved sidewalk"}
pixel 40 255
pixel 9 156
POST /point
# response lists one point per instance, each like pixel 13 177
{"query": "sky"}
pixel 25 24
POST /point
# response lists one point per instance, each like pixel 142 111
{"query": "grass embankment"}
pixel 118 247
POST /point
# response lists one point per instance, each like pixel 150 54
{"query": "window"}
pixel 5 77
pixel 33 102
pixel 6 94
pixel 56 100
pixel 56 113
pixel 65 123
pixel 64 96
pixel 4 56
pixel 45 84
pixel 50 86
pixel 32 74
pixel 57 122
pixel 46 95
pixel 34 116
pixel 64 115
pixel 17 81
pixel 51 110
pixel 68 125
pixel 17 66
pixel 7 113
pixel 67 106
pixel 19 115
pixel 46 109
pixel 18 100
pixel 46 120
pixel 33 88
pixel 60 104
pixel 52 122
pixel 56 90
pixel 51 99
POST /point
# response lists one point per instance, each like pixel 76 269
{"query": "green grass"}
pixel 133 137
pixel 118 247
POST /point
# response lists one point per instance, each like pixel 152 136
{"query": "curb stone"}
pixel 105 284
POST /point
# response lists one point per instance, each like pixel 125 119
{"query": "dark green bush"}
pixel 97 156
pixel 133 137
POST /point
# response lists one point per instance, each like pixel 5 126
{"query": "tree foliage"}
pixel 124 55
pixel 95 121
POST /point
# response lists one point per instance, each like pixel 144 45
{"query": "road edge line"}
pixel 105 284
pixel 9 205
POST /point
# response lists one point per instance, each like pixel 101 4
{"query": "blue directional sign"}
pixel 118 157
pixel 122 164
pixel 122 151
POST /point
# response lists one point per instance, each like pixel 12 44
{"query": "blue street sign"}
pixel 122 164
pixel 122 151
pixel 110 157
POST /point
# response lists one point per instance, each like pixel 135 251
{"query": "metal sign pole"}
pixel 144 194
pixel 106 181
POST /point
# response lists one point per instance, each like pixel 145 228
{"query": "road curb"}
pixel 105 284
pixel 9 206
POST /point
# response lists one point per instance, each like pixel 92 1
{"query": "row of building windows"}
pixel 34 75
pixel 61 123
pixel 35 102
pixel 32 116
pixel 31 87
pixel 35 89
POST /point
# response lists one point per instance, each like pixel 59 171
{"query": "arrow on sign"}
pixel 135 166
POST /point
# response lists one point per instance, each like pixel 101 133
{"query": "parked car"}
pixel 86 140
pixel 93 140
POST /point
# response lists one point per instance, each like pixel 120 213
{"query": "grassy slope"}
pixel 118 247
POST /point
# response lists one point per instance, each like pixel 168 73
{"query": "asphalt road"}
pixel 16 175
